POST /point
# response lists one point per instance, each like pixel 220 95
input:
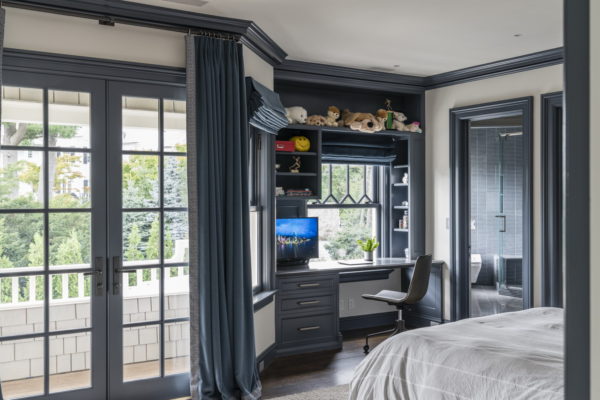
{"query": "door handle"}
pixel 97 275
pixel 503 229
pixel 117 278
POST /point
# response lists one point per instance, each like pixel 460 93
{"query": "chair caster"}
pixel 366 349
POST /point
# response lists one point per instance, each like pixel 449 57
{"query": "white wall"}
pixel 352 303
pixel 438 103
pixel 30 30
pixel 594 199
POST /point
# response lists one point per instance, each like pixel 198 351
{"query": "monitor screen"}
pixel 297 238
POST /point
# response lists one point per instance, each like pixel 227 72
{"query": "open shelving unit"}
pixel 400 203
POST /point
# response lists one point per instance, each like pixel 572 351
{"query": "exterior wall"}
pixel 22 359
pixel 438 103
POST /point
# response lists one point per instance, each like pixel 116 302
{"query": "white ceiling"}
pixel 416 37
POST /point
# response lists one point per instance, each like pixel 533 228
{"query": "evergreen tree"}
pixel 152 250
pixel 36 251
pixel 134 240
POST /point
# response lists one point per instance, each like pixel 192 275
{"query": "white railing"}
pixel 142 288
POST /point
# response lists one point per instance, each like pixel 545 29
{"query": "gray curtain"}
pixel 223 361
pixel 2 16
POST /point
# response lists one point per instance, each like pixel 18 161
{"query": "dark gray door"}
pixel 53 237
pixel 148 242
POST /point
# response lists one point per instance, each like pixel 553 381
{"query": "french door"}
pixel 93 239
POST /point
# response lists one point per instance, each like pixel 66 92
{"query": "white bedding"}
pixel 516 356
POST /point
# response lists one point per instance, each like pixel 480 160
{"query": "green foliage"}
pixel 69 251
pixel 152 249
pixel 36 251
pixel 369 244
pixel 134 240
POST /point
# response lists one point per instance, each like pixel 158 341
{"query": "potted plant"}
pixel 368 246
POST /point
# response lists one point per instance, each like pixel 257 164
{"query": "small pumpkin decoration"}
pixel 301 143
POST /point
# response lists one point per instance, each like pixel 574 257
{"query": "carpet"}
pixel 330 393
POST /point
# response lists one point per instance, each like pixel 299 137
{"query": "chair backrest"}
pixel 419 281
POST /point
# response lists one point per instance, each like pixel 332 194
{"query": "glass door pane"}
pixel 52 238
pixel 149 308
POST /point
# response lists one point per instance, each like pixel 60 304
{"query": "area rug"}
pixel 330 393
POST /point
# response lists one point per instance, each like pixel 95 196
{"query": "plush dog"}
pixel 333 114
pixel 367 125
pixel 349 117
pixel 296 114
pixel 317 120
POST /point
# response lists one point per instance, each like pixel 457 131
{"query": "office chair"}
pixel 416 291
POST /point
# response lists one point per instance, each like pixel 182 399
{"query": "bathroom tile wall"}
pixel 486 199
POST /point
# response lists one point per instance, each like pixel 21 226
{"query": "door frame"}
pixel 552 191
pixel 460 200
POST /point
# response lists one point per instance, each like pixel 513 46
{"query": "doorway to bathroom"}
pixel 491 222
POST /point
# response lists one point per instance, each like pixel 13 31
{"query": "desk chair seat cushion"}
pixel 388 296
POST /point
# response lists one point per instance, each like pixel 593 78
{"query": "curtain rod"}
pixel 111 20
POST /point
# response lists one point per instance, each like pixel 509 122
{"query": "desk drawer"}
pixel 308 328
pixel 307 303
pixel 298 285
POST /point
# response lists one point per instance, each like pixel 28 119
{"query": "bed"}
pixel 516 356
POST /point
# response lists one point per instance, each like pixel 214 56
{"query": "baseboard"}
pixel 265 358
pixel 367 321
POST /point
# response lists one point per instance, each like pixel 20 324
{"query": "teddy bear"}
pixel 296 114
pixel 317 120
pixel 397 122
pixel 333 114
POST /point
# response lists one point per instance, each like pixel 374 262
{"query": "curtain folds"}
pixel 223 360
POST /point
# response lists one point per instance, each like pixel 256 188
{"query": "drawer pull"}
pixel 308 303
pixel 309 328
pixel 306 285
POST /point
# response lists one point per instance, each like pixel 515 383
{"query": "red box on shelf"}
pixel 284 145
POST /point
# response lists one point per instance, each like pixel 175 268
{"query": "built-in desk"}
pixel 308 300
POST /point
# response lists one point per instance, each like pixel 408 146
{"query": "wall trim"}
pixel 160 18
pixel 266 357
pixel 552 191
pixel 576 207
pixel 367 321
pixel 68 65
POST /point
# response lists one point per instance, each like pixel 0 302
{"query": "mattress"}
pixel 516 356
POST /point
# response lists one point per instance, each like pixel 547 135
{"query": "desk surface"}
pixel 334 266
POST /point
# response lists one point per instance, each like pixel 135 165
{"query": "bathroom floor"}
pixel 485 300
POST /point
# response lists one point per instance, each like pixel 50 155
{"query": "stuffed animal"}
pixel 317 120
pixel 349 117
pixel 301 143
pixel 367 125
pixel 398 119
pixel 414 127
pixel 333 114
pixel 296 114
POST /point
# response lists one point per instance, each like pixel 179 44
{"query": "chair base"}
pixel 398 329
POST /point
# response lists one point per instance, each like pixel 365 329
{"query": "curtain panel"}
pixel 223 360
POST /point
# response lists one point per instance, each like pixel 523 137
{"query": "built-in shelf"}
pixel 400 207
pixel 296 153
pixel 400 184
pixel 334 129
pixel 400 230
pixel 296 174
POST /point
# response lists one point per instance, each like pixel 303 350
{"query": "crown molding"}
pixel 512 65
pixel 119 11
pixel 312 73
pixel 323 74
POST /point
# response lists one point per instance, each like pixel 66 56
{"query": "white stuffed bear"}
pixel 296 115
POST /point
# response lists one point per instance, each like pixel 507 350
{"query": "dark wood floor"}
pixel 305 372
